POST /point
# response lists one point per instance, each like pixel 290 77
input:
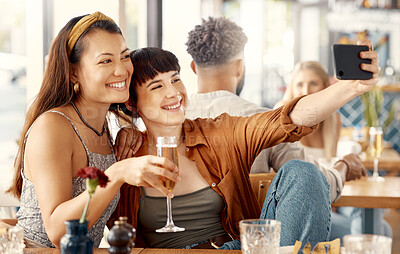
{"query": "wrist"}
pixel 115 174
pixel 348 89
pixel 343 167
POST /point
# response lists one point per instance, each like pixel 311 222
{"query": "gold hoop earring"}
pixel 76 88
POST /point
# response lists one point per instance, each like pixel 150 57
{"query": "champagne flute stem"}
pixel 375 173
pixel 169 212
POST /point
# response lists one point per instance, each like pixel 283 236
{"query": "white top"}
pixel 312 153
pixel 211 105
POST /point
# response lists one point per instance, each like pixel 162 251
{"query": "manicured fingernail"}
pixel 170 195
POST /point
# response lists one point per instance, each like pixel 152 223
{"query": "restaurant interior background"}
pixel 281 33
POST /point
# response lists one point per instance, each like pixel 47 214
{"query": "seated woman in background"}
pixel 66 129
pixel 215 156
pixel 308 78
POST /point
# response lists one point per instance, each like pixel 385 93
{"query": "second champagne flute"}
pixel 376 148
pixel 167 147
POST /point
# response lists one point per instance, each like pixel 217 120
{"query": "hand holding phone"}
pixel 348 62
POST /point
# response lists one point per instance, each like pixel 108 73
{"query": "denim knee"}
pixel 305 174
pixel 299 198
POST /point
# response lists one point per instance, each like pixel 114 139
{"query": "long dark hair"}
pixel 57 88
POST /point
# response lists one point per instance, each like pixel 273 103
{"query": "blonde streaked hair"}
pixel 329 126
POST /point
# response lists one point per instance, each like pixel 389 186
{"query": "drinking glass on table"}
pixel 12 240
pixel 371 244
pixel 260 236
pixel 375 150
pixel 167 147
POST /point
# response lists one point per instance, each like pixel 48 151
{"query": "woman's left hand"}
pixel 127 143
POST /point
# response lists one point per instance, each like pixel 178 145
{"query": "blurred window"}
pixel 12 87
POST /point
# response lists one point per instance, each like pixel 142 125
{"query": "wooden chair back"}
pixel 260 184
pixel 7 223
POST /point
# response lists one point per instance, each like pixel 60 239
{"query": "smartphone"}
pixel 347 62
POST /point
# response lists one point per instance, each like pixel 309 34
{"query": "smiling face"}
pixel 162 100
pixel 307 82
pixel 105 70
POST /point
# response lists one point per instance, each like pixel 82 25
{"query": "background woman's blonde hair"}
pixel 329 126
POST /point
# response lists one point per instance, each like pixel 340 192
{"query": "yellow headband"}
pixel 81 26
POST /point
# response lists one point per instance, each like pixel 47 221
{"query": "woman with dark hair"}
pixel 66 129
pixel 215 156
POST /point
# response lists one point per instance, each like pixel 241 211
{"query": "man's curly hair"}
pixel 215 42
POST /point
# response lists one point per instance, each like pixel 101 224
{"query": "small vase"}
pixel 76 239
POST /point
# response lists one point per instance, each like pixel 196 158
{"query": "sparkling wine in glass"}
pixel 375 150
pixel 167 147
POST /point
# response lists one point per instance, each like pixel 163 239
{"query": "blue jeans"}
pixel 299 198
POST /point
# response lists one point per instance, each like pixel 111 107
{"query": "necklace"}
pixel 88 125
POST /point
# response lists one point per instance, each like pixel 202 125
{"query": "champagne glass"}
pixel 375 150
pixel 167 147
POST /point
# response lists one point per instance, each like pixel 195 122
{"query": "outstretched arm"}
pixel 127 143
pixel 315 108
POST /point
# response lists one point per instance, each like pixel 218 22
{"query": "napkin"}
pixel 332 247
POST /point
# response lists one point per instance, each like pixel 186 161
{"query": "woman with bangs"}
pixel 215 156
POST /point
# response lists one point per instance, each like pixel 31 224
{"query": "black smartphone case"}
pixel 347 62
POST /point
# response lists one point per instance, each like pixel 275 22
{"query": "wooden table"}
pixel 139 250
pixel 370 194
pixel 192 251
pixel 57 251
pixel 390 159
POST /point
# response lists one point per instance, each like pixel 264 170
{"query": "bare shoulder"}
pixel 52 128
pixel 51 140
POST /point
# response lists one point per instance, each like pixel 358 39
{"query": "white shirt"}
pixel 211 105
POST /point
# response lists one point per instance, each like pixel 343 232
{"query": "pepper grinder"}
pixel 130 228
pixel 119 239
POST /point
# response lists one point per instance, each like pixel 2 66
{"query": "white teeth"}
pixel 117 85
pixel 173 106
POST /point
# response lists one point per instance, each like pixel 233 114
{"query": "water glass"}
pixel 12 240
pixel 367 244
pixel 260 236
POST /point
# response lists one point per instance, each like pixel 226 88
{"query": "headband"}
pixel 81 26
